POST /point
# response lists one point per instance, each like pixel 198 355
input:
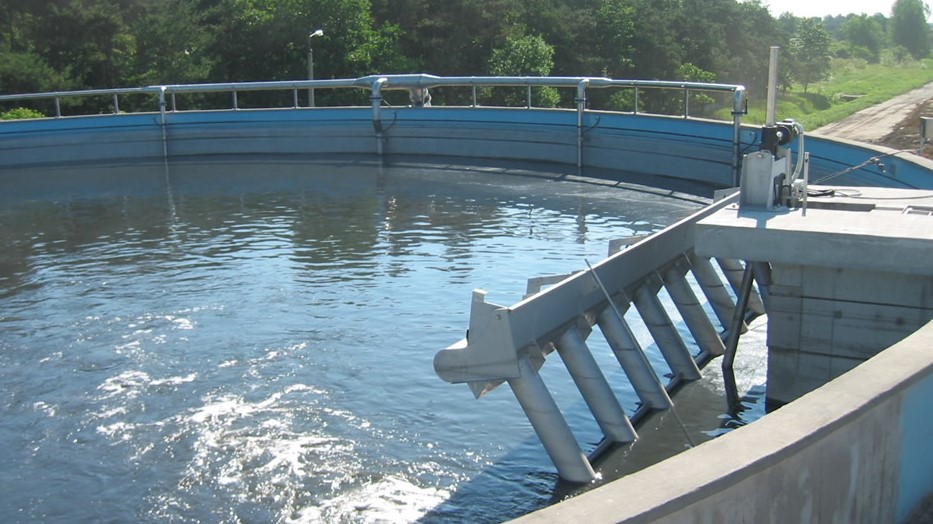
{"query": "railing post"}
pixel 528 100
pixel 174 106
pixel 738 96
pixel 116 105
pixel 375 99
pixel 58 107
pixel 235 105
pixel 162 104
pixel 686 102
pixel 294 99
pixel 636 100
pixel 581 109
pixel 162 122
pixel 474 95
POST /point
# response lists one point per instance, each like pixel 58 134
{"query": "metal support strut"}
pixel 551 427
pixel 593 385
pixel 661 327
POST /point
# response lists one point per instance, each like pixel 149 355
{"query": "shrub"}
pixel 21 113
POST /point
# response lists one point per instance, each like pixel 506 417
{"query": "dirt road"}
pixel 876 123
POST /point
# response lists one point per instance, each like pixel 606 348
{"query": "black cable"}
pixel 873 160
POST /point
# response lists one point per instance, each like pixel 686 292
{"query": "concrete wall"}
pixel 854 450
pixel 825 321
pixel 649 145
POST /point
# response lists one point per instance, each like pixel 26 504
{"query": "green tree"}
pixel 615 37
pixel 253 40
pixel 699 102
pixel 28 73
pixel 526 55
pixel 171 44
pixel 909 28
pixel 657 52
pixel 86 40
pixel 809 53
pixel 864 32
pixel 731 39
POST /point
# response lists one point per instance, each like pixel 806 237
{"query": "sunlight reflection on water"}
pixel 255 343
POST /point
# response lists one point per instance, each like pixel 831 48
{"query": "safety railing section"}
pixel 418 87
pixel 417 84
pixel 510 344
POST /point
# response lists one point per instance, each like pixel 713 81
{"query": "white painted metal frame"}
pixel 509 344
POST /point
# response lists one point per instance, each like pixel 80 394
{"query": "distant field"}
pixel 852 86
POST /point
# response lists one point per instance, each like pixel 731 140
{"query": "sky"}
pixel 829 7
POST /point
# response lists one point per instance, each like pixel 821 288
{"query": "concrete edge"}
pixel 692 476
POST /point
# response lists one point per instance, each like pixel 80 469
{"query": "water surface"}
pixel 253 342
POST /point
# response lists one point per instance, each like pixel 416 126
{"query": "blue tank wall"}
pixel 672 147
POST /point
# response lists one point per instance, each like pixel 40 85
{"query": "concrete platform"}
pixel 858 227
pixel 850 276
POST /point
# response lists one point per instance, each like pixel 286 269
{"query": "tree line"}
pixel 78 44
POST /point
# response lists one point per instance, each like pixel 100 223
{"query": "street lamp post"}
pixel 317 32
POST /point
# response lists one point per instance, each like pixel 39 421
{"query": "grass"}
pixel 865 85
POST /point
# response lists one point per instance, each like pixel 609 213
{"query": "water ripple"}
pixel 257 345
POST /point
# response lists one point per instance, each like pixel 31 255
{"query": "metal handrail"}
pixel 398 82
pixel 377 84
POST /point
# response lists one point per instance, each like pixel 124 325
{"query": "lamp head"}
pixel 317 32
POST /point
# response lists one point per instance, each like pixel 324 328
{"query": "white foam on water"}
pixel 388 500
pixel 127 383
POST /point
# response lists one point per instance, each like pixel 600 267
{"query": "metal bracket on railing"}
pixel 375 99
pixel 162 90
pixel 739 109
pixel 581 109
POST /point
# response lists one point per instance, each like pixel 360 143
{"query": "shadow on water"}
pixel 522 480
pixel 704 410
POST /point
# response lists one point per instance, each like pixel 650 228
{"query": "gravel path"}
pixel 879 121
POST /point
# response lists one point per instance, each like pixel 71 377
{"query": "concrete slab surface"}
pixel 859 228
